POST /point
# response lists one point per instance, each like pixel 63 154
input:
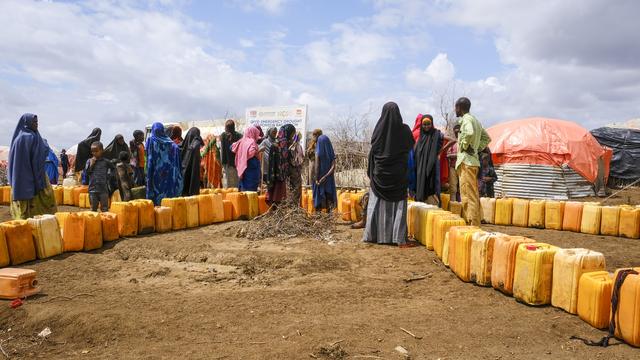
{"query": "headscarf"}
pixel 261 134
pixel 324 158
pixel 113 150
pixel 83 152
pixel 230 135
pixel 246 148
pixel 27 155
pixel 388 158
pixel 426 160
pixel 168 131
pixel 311 148
pixel 211 163
pixel 164 175
pixel 266 144
pixel 416 127
pixel 176 135
pixel 191 162
pixel 51 167
pixel 280 154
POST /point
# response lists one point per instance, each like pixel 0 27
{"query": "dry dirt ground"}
pixel 205 294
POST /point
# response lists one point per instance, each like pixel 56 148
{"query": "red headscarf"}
pixel 416 128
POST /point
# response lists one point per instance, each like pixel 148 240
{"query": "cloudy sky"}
pixel 122 64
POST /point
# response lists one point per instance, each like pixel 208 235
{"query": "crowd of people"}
pixel 167 165
pixel 403 163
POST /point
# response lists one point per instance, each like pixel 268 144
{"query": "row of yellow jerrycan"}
pixel 350 205
pixel 534 273
pixel 585 217
pixel 49 235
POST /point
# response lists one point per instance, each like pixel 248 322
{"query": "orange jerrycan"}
pixel 572 219
pixel 92 230
pixel 228 210
pixel 536 214
pixel 262 204
pixel 594 298
pixel 127 218
pixel 482 257
pixel 627 316
pixel 146 216
pixel 629 222
pixel 58 192
pixel 163 219
pixel 218 208
pixel 520 215
pixel 17 283
pixel 19 241
pixel 504 262
pixel 4 251
pixel 110 230
pixel 205 209
pixel 504 211
pixel 73 235
pixel 192 211
pixel 76 194
pixel 533 274
pixel 553 214
pixel 240 204
pixel 252 198
pixel 178 212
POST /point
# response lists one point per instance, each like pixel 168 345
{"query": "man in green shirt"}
pixel 471 140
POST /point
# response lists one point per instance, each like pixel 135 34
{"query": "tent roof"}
pixel 546 141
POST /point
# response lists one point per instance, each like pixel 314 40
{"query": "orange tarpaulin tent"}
pixel 544 141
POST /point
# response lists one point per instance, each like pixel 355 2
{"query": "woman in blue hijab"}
pixel 31 192
pixel 164 172
pixel 324 188
pixel 51 167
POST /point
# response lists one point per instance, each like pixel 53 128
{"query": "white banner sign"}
pixel 277 116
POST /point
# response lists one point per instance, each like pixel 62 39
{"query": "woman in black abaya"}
pixel 388 171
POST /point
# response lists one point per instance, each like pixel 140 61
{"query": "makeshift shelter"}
pixel 625 143
pixel 540 158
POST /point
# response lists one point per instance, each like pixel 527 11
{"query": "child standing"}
pixel 125 176
pixel 98 170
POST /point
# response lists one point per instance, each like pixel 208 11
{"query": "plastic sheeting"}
pixel 543 141
pixel 625 163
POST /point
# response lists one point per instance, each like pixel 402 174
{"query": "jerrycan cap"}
pixel 532 247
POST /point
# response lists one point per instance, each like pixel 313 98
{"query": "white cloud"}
pixel 116 67
pixel 270 6
pixel 246 43
pixel 440 72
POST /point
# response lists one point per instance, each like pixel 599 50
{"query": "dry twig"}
pixel 288 220
pixel 410 333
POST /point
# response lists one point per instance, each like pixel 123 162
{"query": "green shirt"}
pixel 473 136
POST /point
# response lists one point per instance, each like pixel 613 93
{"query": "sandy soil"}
pixel 204 294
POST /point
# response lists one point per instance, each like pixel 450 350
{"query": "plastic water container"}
pixel 488 210
pixel 591 215
pixel 533 274
pixel 61 216
pixel 76 194
pixel 73 234
pixel 568 267
pixel 536 214
pixel 19 241
pixel 69 182
pixel 482 244
pixel 594 298
pixel 146 216
pixel 92 230
pixel 628 315
pixel 504 211
pixel 346 207
pixel 432 216
pixel 445 199
pixel 442 226
pixel 629 222
pixel 67 195
pixel 228 210
pixel 460 238
pixel 572 218
pixel 263 207
pixel 240 205
pixel 46 236
pixel 163 219
pixel 218 208
pixel 420 222
pixel 356 206
pixel 252 198
pixel 610 220
pixel 58 192
pixel 553 214
pixel 178 212
pixel 5 195
pixel 4 251
pixel 504 262
pixel 127 218
pixel 205 209
pixel 193 219
pixel 18 283
pixel 520 216
pixel 110 230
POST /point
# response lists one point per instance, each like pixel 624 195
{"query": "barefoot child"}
pixel 98 171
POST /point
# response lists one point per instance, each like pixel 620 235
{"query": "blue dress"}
pixel 164 171
pixel 251 177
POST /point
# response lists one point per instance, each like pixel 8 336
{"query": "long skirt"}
pixel 471 208
pixel 251 177
pixel 43 203
pixel 386 221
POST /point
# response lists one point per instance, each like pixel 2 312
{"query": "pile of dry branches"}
pixel 288 220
